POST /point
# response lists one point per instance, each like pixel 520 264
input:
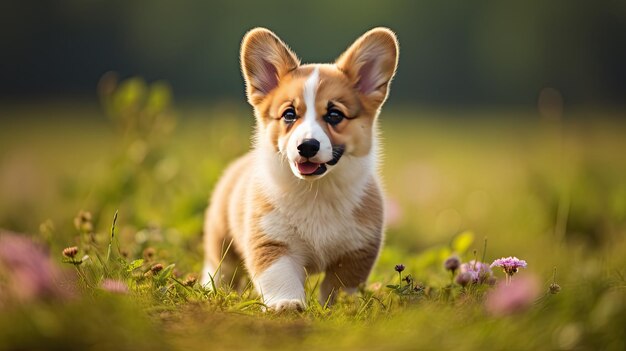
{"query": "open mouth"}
pixel 311 168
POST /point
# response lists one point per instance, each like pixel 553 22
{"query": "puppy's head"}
pixel 313 115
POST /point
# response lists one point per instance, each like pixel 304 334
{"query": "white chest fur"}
pixel 316 219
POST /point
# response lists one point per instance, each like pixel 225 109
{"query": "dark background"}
pixel 453 53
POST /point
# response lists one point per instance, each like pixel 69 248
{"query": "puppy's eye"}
pixel 289 115
pixel 334 116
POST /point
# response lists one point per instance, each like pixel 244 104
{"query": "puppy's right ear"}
pixel 264 60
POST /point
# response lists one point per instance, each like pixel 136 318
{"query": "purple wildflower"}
pixel 464 278
pixel 479 272
pixel 399 268
pixel 115 286
pixel 452 264
pixel 510 265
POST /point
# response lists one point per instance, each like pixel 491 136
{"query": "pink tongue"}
pixel 307 167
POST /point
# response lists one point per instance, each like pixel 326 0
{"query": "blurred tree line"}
pixel 452 52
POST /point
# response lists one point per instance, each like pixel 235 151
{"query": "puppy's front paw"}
pixel 286 305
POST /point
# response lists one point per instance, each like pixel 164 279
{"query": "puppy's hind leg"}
pixel 220 268
pixel 219 256
pixel 347 273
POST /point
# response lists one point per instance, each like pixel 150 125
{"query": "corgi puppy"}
pixel 307 197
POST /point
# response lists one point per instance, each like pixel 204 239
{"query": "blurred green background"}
pixel 500 113
pixel 452 52
pixel 505 119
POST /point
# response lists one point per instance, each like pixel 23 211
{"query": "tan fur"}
pixel 370 211
pixel 263 251
pixel 219 221
pixel 281 225
pixel 354 267
pixel 356 132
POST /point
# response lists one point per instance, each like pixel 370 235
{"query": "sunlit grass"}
pixel 550 192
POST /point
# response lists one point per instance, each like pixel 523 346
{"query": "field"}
pixel 549 188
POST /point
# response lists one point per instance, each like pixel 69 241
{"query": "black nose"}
pixel 309 147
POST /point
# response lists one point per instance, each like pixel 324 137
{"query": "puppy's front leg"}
pixel 281 284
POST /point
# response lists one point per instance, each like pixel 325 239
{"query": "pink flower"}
pixel 452 263
pixel 28 272
pixel 510 265
pixel 464 278
pixel 114 286
pixel 479 272
pixel 393 212
pixel 516 296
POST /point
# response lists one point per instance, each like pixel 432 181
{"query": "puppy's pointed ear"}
pixel 264 60
pixel 371 62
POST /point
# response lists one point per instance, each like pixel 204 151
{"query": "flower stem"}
pixel 484 250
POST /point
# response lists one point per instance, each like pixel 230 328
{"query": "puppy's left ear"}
pixel 371 62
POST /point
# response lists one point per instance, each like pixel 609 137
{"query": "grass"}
pixel 551 192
